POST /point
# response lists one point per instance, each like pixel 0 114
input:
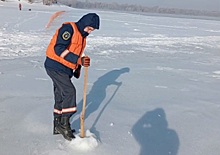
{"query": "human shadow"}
pixel 96 96
pixel 154 136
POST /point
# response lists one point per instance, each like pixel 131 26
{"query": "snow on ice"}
pixel 153 85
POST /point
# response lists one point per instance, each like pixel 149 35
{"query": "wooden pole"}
pixel 82 118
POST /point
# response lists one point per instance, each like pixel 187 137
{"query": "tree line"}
pixel 128 7
pixel 137 8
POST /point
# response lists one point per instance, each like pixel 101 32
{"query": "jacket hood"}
pixel 90 19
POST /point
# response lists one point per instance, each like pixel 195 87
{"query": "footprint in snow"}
pixel 19 75
pixel 42 79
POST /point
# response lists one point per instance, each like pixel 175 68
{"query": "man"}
pixel 64 57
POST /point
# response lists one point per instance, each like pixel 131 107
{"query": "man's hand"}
pixel 85 61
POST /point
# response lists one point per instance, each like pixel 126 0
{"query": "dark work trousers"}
pixel 64 94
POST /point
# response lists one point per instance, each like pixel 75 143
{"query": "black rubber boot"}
pixel 56 121
pixel 64 128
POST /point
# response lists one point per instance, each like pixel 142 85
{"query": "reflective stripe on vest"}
pixel 76 47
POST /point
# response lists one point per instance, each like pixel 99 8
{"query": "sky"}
pixel 153 84
pixel 213 5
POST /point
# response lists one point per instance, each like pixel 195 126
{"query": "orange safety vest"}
pixel 76 47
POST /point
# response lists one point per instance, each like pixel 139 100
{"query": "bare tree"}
pixel 47 2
